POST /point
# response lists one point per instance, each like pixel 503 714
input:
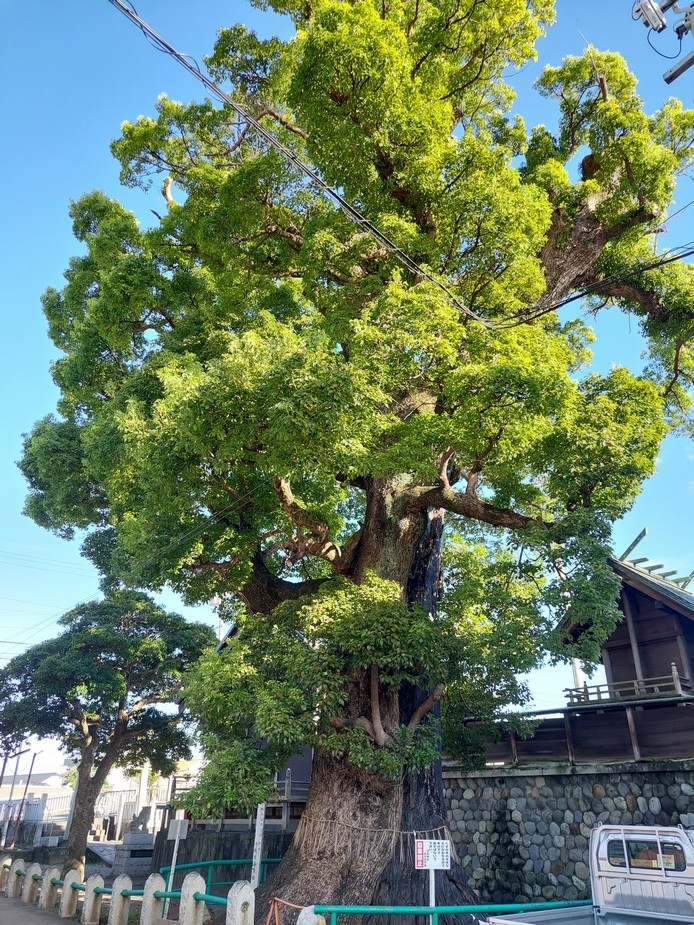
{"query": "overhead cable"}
pixel 599 286
pixel 347 208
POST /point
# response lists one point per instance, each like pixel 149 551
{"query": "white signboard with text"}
pixel 432 854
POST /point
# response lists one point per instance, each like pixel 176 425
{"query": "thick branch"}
pixel 337 722
pixel 146 702
pixel 381 738
pixel 574 245
pixel 468 505
pixel 264 590
pixel 426 707
pixel 312 538
pixel 647 300
pixel 283 121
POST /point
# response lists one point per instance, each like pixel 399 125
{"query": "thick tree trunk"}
pixel 355 842
pixel 81 823
pixel 86 793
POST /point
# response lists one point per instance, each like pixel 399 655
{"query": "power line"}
pixel 597 287
pixel 347 208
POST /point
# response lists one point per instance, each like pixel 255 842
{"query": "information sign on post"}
pixel 432 854
pixel 258 845
pixel 177 832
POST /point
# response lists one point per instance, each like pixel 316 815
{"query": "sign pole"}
pixel 432 891
pixel 178 830
pixel 432 855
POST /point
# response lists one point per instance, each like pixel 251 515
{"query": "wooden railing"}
pixel 672 685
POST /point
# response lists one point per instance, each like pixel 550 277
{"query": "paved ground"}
pixel 14 912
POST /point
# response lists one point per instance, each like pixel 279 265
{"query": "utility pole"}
pixel 6 825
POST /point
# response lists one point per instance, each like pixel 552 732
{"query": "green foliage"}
pixel 259 402
pixel 96 686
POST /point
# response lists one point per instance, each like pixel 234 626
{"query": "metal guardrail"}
pixel 333 911
pixel 435 911
pixel 210 865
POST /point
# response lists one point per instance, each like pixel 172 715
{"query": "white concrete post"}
pixel 307 916
pixel 152 907
pixel 30 887
pixel 38 832
pixel 49 891
pixel 240 904
pixel 14 881
pixel 91 907
pixel 191 911
pixel 119 907
pixel 69 897
pixel 5 864
pixel 143 787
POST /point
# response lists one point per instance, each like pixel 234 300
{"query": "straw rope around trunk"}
pixel 315 837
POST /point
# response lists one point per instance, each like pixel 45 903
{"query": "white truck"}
pixel 639 875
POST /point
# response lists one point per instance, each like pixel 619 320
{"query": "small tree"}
pixel 96 689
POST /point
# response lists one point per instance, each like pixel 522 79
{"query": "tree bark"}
pixel 355 842
pixel 86 794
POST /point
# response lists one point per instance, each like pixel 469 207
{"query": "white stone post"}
pixel 191 911
pixel 30 887
pixel 14 881
pixel 240 904
pixel 119 906
pixel 49 891
pixel 91 907
pixel 308 916
pixel 38 832
pixel 5 864
pixel 70 896
pixel 152 906
pixel 143 787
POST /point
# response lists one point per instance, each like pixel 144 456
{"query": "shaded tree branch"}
pixel 426 707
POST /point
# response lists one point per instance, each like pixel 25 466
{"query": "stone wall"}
pixel 523 834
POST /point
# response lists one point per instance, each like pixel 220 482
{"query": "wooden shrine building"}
pixel 645 710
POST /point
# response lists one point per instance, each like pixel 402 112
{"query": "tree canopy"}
pixel 106 689
pixel 259 401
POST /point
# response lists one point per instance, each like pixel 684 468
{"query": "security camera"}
pixel 650 14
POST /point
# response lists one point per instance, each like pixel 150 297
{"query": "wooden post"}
pixel 152 907
pixel 191 911
pixel 569 739
pixel 119 907
pixel 49 891
pixel 91 907
pixel 632 734
pixel 30 887
pixel 636 655
pixel 240 904
pixel 69 898
pixel 676 680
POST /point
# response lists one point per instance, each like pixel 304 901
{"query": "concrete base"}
pixel 134 855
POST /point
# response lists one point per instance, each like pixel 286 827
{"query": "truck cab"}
pixel 639 875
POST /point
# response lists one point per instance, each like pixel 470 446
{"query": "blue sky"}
pixel 70 73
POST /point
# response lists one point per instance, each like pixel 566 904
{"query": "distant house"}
pixel 41 782
pixel 645 709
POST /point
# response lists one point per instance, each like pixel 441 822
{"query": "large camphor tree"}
pixel 106 689
pixel 395 486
